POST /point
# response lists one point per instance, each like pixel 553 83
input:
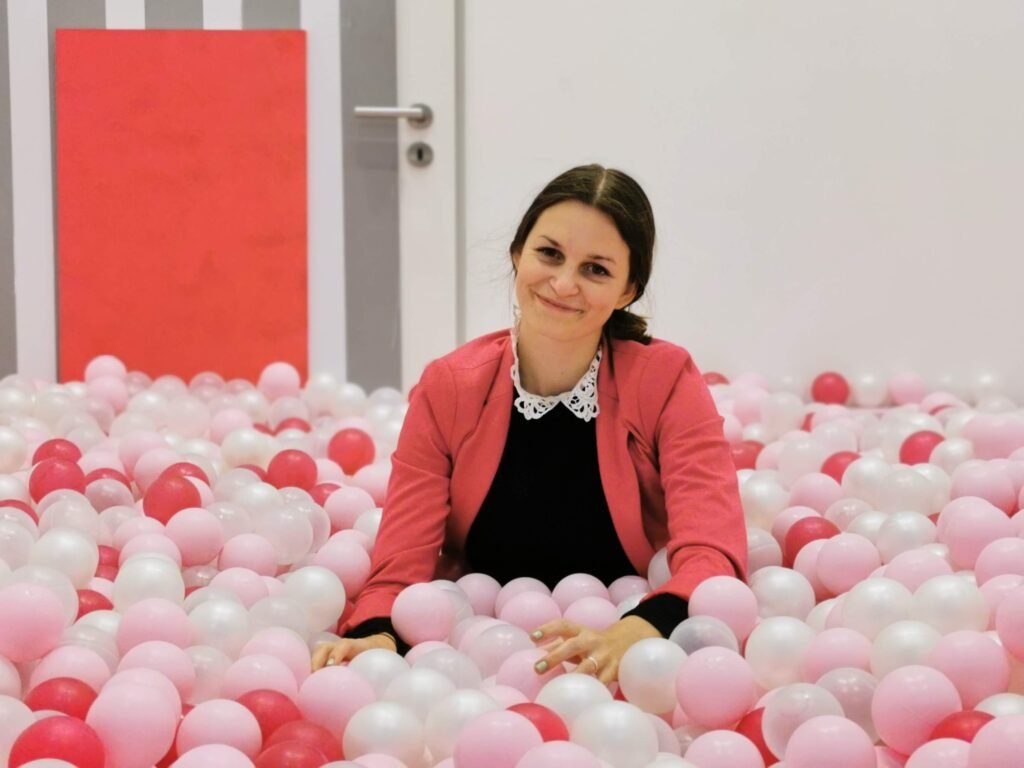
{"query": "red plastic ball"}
pixel 60 737
pixel 310 734
pixel 744 455
pixel 550 725
pixel 63 694
pixel 836 464
pixel 53 474
pixel 272 709
pixel 712 377
pixel 104 473
pixel 89 600
pixel 57 448
pixel 109 555
pixel 108 572
pixel 803 532
pixel 750 726
pixel 291 754
pixel 266 430
pixel 167 496
pixel 917 448
pixel 808 422
pixel 18 504
pixel 321 491
pixel 830 387
pixel 292 469
pixel 260 472
pixel 960 725
pixel 293 422
pixel 185 469
pixel 351 449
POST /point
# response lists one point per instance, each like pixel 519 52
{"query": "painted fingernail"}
pixel 536 634
pixel 541 666
pixel 330 662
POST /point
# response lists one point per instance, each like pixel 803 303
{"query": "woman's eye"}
pixel 595 269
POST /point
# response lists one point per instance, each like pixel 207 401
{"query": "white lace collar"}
pixel 581 399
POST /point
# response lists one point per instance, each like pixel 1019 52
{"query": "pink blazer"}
pixel 666 468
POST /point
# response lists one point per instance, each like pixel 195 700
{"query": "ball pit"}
pixel 172 553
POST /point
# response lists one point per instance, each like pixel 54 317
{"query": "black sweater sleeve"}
pixel 375 626
pixel 665 612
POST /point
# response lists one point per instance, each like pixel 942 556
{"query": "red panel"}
pixel 181 200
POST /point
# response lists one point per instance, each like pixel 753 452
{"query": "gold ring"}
pixel 593 661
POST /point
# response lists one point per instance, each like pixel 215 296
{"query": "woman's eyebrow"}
pixel 591 256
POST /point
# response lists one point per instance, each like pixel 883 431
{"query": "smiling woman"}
pixel 493 472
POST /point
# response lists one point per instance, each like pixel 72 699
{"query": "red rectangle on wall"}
pixel 181 200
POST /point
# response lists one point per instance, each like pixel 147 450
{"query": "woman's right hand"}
pixel 347 648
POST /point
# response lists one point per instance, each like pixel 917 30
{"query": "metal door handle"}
pixel 418 115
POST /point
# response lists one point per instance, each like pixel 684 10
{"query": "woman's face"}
pixel 572 272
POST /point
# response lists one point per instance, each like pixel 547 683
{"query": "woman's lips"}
pixel 556 307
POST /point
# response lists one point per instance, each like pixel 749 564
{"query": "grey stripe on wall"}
pixel 271 14
pixel 174 14
pixel 372 288
pixel 8 313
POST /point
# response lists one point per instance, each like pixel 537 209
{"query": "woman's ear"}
pixel 627 297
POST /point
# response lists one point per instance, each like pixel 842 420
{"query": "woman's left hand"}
pixel 595 652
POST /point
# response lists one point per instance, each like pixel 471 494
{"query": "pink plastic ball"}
pixel 259 671
pixel 728 599
pixel 279 380
pixel 495 739
pixel 153 618
pixel 33 621
pixel 909 702
pixel 197 533
pixel 529 610
pixel 845 742
pixel 724 749
pixel 423 612
pixel 220 721
pixel 715 687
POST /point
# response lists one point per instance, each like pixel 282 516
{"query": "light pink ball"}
pixel 153 618
pixel 373 478
pixel 845 743
pixel 423 612
pixel 909 702
pixel 109 389
pixel 995 435
pixel 197 533
pixel 279 380
pixel 149 543
pixel 213 756
pixel 806 564
pixel 332 695
pixel 834 648
pixel 517 672
pixel 135 722
pixel 72 661
pixel 941 753
pixel 220 721
pixel 378 760
pixel 33 621
pixel 999 743
pixel 914 567
pixel 1010 622
pixel 817 491
pixel 348 561
pixel 529 610
pixel 785 519
pixel 482 590
pixel 592 612
pixel 907 388
pixel 226 421
pixel 974 662
pixel 345 505
pixel 728 599
pixel 627 586
pixel 105 365
pixel 1000 557
pixel 559 754
pixel 259 671
pixel 167 659
pixel 248 550
pixel 967 525
pixel 135 526
pixel 496 740
pixel 715 687
pixel 986 482
pixel 723 749
pixel 206 497
pixel 284 644
pixel 845 560
pixel 151 464
pixel 246 584
pixel 995 589
pixel 578 585
pixel 135 444
pixel 517 587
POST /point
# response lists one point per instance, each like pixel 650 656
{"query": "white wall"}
pixel 837 185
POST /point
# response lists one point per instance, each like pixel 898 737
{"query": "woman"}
pixel 574 443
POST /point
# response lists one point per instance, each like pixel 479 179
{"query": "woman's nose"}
pixel 564 282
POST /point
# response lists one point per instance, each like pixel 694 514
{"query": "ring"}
pixel 593 661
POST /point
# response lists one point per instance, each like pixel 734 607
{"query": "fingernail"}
pixel 536 634
pixel 541 666
pixel 330 662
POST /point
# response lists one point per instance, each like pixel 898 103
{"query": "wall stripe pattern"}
pixel 353 210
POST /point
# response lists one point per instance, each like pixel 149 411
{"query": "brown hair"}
pixel 617 195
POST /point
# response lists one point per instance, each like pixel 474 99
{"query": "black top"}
pixel 546 516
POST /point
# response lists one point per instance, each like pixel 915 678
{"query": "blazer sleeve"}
pixel 707 533
pixel 418 500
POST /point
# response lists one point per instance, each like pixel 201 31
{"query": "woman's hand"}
pixel 596 653
pixel 347 648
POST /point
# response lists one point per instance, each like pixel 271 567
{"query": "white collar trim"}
pixel 581 399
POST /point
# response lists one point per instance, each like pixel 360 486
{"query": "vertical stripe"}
pixel 126 14
pixel 174 14
pixel 270 14
pixel 32 185
pixel 372 273
pixel 222 14
pixel 460 172
pixel 8 314
pixel 327 255
pixel 63 14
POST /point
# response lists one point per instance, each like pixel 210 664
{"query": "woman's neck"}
pixel 549 366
